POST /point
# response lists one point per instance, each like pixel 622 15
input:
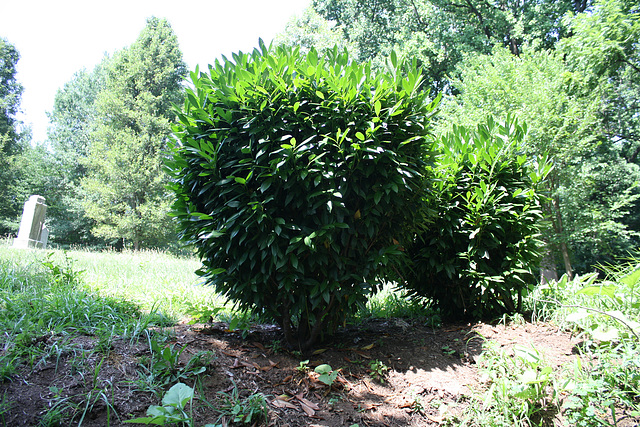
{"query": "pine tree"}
pixel 124 185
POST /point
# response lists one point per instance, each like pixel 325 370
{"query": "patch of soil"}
pixel 433 368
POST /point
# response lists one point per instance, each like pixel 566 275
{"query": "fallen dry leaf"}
pixel 434 419
pixel 307 410
pixel 239 363
pixel 279 403
pixel 362 354
pixel 309 403
pixel 368 406
pixel 268 367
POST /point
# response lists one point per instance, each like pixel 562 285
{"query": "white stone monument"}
pixel 32 223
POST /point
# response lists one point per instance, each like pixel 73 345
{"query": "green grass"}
pixel 390 302
pixel 52 296
pixel 40 300
pixel 600 389
pixel 155 280
pixel 151 280
pixel 48 298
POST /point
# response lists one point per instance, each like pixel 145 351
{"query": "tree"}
pixel 603 62
pixel 313 31
pixel 10 138
pixel 124 185
pixel 438 33
pixel 600 209
pixel 72 122
pixel 603 55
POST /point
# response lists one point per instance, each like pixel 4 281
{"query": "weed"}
pixel 241 323
pixel 518 387
pixel 7 366
pixel 201 312
pixel 248 410
pixel 448 350
pixel 303 366
pixel 5 405
pixel 173 409
pixel 378 370
pixel 163 366
pixel 276 347
pixel 74 409
pixel 416 404
pixel 63 275
pixel 54 417
pixel 608 383
pixel 334 400
pixel 327 375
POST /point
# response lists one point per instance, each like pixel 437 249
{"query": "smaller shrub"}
pixel 479 250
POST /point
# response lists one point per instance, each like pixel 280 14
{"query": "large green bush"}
pixel 298 178
pixel 480 251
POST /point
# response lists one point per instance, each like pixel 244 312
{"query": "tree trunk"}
pixel 559 229
pixel 548 270
pixel 553 214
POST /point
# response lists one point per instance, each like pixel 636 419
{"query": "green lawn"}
pixel 151 279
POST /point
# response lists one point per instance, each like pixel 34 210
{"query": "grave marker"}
pixel 31 225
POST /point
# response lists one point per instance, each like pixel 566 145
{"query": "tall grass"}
pixel 152 280
pixel 45 302
pixel 159 281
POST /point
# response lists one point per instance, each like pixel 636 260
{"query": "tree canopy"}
pixel 10 138
pixel 123 188
pixel 438 33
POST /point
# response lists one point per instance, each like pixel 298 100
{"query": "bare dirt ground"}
pixel 434 366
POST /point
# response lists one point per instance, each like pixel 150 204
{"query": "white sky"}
pixel 57 38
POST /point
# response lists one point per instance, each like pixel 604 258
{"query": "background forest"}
pixel 569 69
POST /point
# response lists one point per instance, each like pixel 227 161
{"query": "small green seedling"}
pixel 248 410
pixel 378 370
pixel 303 366
pixel 448 350
pixel 172 410
pixel 327 375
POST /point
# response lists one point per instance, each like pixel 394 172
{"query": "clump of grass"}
pixel 245 410
pixel 391 302
pixel 44 303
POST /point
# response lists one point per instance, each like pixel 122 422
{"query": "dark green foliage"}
pixel 10 138
pixel 297 178
pixel 479 252
pixel 440 33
